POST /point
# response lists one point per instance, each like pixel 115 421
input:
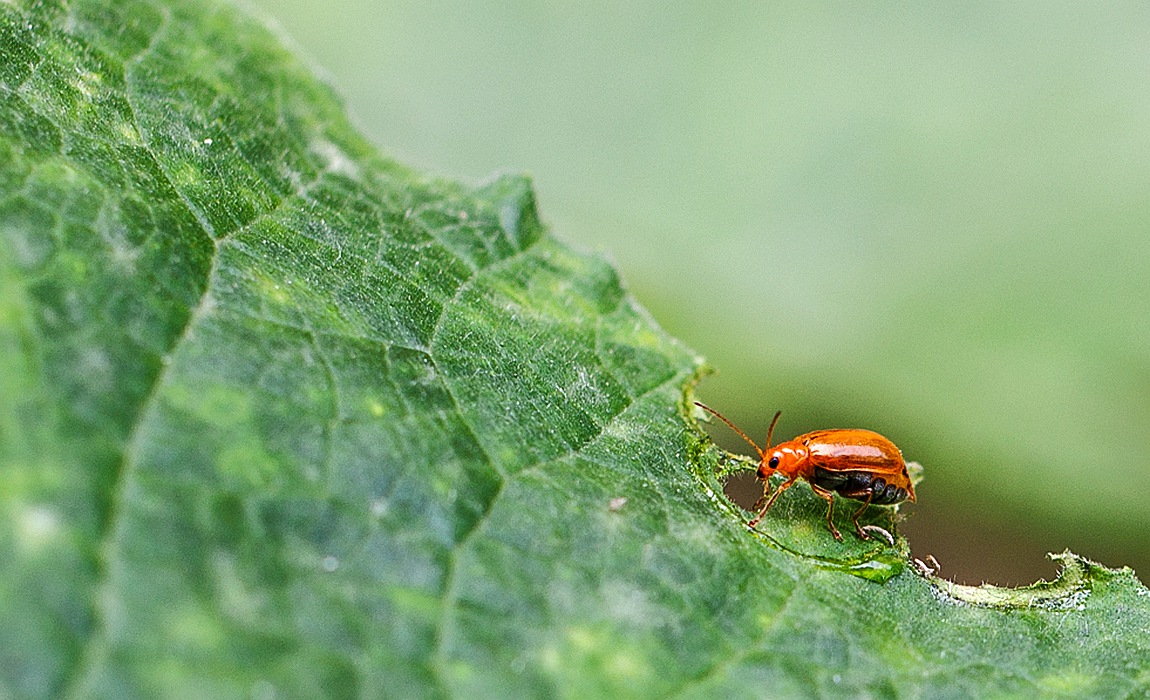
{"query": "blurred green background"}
pixel 930 221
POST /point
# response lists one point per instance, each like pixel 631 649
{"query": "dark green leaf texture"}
pixel 282 418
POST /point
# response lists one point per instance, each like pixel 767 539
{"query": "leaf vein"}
pixel 746 651
pixel 110 529
pixel 467 286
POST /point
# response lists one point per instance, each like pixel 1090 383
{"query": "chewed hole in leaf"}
pixel 743 488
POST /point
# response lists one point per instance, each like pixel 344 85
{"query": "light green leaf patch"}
pixel 282 417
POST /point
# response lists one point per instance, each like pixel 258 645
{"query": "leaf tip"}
pixel 513 196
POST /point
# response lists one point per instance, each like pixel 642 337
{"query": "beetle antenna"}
pixel 735 428
pixel 771 430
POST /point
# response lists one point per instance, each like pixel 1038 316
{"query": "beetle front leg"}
pixel 782 487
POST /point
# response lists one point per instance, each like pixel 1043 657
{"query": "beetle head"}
pixel 770 463
pixel 787 458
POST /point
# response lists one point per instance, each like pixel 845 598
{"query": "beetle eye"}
pixel 774 463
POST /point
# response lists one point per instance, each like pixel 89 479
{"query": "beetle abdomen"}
pixel 859 485
pixel 886 494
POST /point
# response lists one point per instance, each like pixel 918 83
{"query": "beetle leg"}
pixel 830 499
pixel 859 514
pixel 763 511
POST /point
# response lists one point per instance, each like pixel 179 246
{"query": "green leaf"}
pixel 281 417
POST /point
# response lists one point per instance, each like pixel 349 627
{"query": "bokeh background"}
pixel 931 221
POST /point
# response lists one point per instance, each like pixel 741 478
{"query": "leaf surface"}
pixel 281 416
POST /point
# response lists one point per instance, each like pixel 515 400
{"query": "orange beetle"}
pixel 854 463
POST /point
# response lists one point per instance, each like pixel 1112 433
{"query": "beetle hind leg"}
pixel 862 530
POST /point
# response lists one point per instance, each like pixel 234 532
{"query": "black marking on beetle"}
pixel 859 485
